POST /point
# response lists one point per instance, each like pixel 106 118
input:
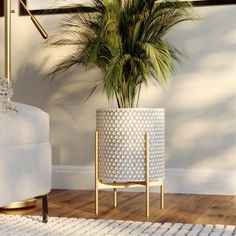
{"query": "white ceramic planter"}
pixel 122 143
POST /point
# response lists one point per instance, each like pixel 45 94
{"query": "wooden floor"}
pixel 203 209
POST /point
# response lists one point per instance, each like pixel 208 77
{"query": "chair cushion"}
pixel 25 172
pixel 29 125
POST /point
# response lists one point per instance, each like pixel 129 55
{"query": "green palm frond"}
pixel 126 39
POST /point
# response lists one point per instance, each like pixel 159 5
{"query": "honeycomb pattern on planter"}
pixel 122 146
pixel 6 93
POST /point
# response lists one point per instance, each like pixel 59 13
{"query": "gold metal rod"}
pixel 128 184
pixel 96 172
pixel 162 196
pixel 115 197
pixel 7 40
pixel 35 21
pixel 147 174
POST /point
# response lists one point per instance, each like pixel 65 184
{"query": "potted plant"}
pixel 127 41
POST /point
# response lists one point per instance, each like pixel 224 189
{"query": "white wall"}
pixel 200 103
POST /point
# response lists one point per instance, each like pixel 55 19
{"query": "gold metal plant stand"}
pixel 99 185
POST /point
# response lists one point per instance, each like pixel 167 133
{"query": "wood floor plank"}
pixel 184 208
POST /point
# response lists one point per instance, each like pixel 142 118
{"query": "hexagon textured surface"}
pixel 6 93
pixel 122 143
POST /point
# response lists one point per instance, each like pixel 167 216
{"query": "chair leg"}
pixel 45 208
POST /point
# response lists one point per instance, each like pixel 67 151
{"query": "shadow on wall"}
pixel 200 103
pixel 72 121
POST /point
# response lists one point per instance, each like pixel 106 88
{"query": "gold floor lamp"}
pixel 7 68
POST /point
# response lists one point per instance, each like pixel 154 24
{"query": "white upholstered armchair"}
pixel 25 156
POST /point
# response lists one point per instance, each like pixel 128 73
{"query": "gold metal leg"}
pixel 96 172
pixel 96 200
pixel 147 174
pixel 162 196
pixel 115 197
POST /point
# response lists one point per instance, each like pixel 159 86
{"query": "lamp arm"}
pixel 35 21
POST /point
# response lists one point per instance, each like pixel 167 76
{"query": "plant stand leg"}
pixel 115 197
pixel 147 174
pixel 96 201
pixel 162 196
pixel 45 208
pixel 96 172
pixel 147 200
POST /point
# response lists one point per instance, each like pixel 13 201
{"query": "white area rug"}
pixel 60 226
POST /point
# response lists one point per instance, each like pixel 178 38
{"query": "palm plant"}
pixel 126 40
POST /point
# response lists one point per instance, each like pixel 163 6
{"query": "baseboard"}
pixel 197 181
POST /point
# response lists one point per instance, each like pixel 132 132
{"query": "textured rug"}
pixel 60 226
